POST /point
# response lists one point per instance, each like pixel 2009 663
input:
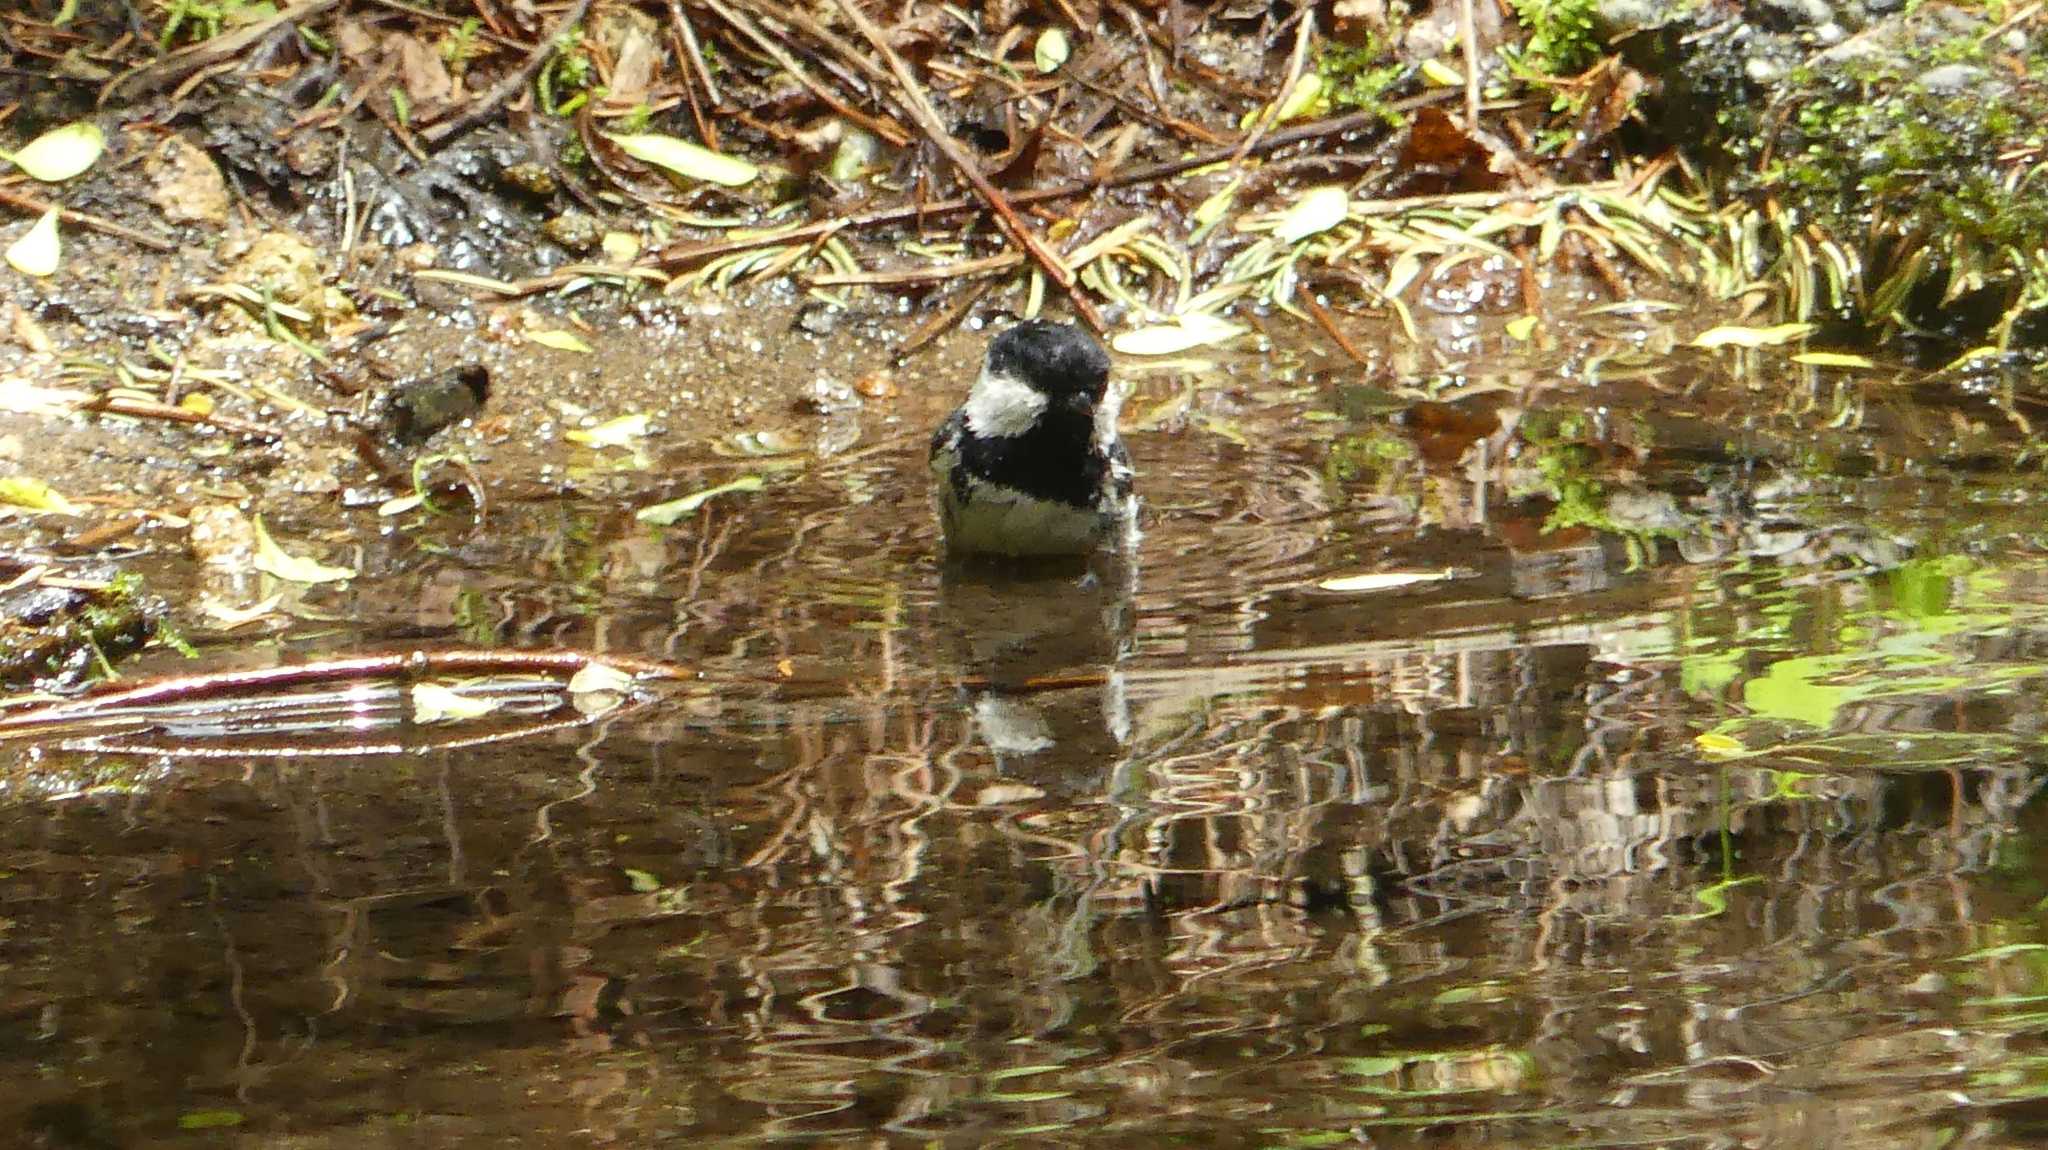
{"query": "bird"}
pixel 1031 464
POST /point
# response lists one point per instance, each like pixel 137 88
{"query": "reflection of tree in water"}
pixel 1448 867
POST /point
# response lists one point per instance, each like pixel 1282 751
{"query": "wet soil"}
pixel 1687 794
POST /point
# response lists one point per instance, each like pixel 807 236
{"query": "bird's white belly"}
pixel 994 520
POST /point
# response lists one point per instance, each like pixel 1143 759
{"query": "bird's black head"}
pixel 1058 360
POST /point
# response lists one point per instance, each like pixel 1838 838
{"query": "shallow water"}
pixel 1711 821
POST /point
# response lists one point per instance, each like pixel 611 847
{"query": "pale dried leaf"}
pixel 38 251
pixel 1384 580
pixel 687 159
pixel 1196 329
pixel 1318 210
pixel 560 341
pixel 665 514
pixel 1752 336
pixel 625 431
pixel 274 560
pixel 61 153
pixel 433 703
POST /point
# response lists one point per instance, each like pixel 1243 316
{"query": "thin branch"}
pixel 487 105
pixel 87 219
pixel 920 109
pixel 1151 173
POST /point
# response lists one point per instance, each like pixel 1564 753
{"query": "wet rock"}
pixel 529 177
pixel 824 396
pixel 1955 79
pixel 285 266
pixel 1796 13
pixel 59 634
pixel 222 536
pixel 414 410
pixel 186 185
pixel 575 230
pixel 818 318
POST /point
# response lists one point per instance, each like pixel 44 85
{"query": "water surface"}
pixel 1690 800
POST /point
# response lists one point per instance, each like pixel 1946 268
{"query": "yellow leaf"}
pixel 433 703
pixel 273 560
pixel 35 495
pixel 665 514
pixel 1752 336
pixel 687 159
pixel 1051 51
pixel 560 341
pixel 1833 359
pixel 1384 580
pixel 1319 210
pixel 1441 74
pixel 1301 99
pixel 1718 744
pixel 1522 327
pixel 620 432
pixel 38 252
pixel 61 153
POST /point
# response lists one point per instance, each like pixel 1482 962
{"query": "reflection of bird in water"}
pixel 1034 493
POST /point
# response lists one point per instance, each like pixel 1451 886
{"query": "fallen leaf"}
pixel 38 251
pixel 1319 210
pixel 1441 74
pixel 209 1119
pixel 620 248
pixel 230 618
pixel 666 514
pixel 1385 580
pixel 400 504
pixel 26 397
pixel 620 432
pixel 35 495
pixel 273 560
pixel 433 703
pixel 1051 51
pixel 1833 359
pixel 1522 327
pixel 560 340
pixel 687 159
pixel 61 153
pixel 1197 329
pixel 1752 336
pixel 595 677
pixel 1718 744
pixel 642 882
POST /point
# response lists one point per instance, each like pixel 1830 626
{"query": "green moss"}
pixel 1357 78
pixel 1561 40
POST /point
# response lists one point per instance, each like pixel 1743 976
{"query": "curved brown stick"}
pixel 177 688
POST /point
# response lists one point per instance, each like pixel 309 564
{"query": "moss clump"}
pixel 1562 41
pixel 64 635
pixel 1356 77
pixel 1925 180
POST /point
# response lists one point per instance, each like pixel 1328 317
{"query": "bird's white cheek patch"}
pixel 1002 406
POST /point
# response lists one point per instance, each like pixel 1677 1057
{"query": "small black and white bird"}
pixel 1031 464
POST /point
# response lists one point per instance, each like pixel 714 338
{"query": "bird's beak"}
pixel 1081 402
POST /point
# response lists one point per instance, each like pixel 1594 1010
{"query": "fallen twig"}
pixel 487 105
pixel 167 70
pixel 920 110
pixel 147 409
pixel 890 132
pixel 1152 173
pixel 87 219
pixel 409 664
